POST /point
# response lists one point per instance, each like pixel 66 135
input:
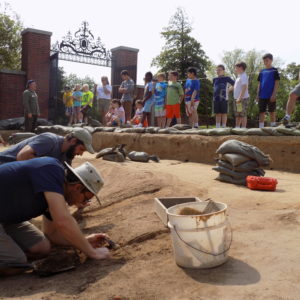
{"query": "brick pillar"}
pixel 36 63
pixel 123 58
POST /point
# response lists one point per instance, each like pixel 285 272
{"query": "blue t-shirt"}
pixel 221 87
pixel 149 87
pixel 22 186
pixel 77 94
pixel 160 93
pixel 267 78
pixel 191 85
pixel 44 144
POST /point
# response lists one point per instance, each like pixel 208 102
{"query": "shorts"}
pixel 69 110
pixel 103 105
pixel 243 113
pixel 296 90
pixel 263 104
pixel 85 109
pixel 76 110
pixel 173 110
pixel 220 107
pixel 189 108
pixel 148 106
pixel 17 238
pixel 159 111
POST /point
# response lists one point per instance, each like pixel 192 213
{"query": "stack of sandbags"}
pixel 237 160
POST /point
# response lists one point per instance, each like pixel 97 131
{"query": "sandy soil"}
pixel 264 258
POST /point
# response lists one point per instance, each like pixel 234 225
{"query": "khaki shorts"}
pixel 242 113
pixel 17 238
pixel 103 105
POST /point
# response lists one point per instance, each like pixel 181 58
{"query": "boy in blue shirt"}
pixel 266 91
pixel 191 97
pixel 221 89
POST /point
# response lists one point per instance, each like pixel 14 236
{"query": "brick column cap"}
pixel 6 71
pixel 124 48
pixel 36 31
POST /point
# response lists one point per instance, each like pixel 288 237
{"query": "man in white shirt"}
pixel 103 92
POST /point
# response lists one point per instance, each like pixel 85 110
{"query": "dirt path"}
pixel 264 258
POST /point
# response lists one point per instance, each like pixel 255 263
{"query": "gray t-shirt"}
pixel 44 144
pixel 129 85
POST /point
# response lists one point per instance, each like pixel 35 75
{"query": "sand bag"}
pixel 239 131
pixel 191 131
pixel 229 179
pixel 94 123
pixel 19 136
pixel 152 129
pixel 182 126
pixel 243 167
pixel 256 131
pixel 285 131
pixel 116 157
pixel 90 129
pixel 234 159
pixel 117 153
pixel 224 164
pixel 220 131
pixel 271 131
pixel 139 130
pixel 203 131
pixel 142 156
pixel 238 147
pixel 108 129
pixel 234 174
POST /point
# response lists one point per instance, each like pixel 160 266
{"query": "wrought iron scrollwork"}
pixel 83 48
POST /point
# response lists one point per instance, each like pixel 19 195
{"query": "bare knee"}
pixel 41 248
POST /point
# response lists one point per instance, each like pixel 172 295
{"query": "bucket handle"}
pixel 207 252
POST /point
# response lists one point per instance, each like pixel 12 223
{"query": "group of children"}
pixel 266 93
pixel 78 103
pixel 164 98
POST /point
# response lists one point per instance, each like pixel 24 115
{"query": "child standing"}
pixel 266 91
pixel 175 96
pixel 160 93
pixel 241 95
pixel 148 99
pixel 220 97
pixel 77 97
pixel 191 99
pixel 68 101
pixel 87 102
pixel 117 116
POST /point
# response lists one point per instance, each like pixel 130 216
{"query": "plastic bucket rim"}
pixel 203 215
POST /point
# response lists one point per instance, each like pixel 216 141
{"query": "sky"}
pixel 269 25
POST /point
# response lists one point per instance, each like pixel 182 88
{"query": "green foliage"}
pixel 10 39
pixel 182 51
pixel 73 79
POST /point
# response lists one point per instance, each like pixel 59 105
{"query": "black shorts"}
pixel 263 104
pixel 220 107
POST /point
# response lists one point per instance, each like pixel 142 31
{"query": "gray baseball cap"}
pixel 84 136
pixel 89 177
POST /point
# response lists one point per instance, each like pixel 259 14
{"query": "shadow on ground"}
pixel 233 272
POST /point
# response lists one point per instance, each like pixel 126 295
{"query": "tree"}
pixel 182 51
pixel 73 79
pixel 10 39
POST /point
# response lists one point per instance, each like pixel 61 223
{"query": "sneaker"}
pixel 285 120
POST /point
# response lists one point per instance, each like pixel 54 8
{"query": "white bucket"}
pixel 200 241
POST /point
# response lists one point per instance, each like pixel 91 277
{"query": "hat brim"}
pixel 82 181
pixel 89 148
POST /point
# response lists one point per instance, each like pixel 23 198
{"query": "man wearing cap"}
pixel 44 188
pixel 50 144
pixel 31 106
